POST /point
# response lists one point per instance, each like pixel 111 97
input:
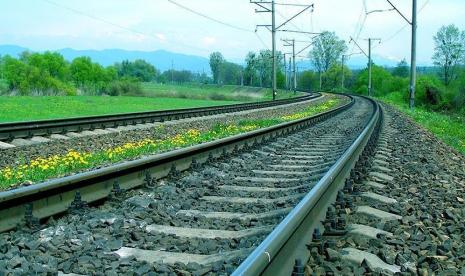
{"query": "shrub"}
pixel 124 88
pixel 3 87
pixel 429 91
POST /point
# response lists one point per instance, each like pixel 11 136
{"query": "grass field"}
pixel 157 97
pixel 450 128
pixel 213 92
pixel 25 108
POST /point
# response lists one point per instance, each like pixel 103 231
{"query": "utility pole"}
pixel 273 28
pixel 413 62
pixel 285 69
pixel 369 59
pixel 413 67
pixel 273 35
pixel 172 71
pixel 369 67
pixel 291 43
pixel 293 66
pixel 342 76
pixel 290 78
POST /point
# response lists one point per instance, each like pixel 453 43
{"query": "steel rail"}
pixel 42 200
pixel 10 131
pixel 277 254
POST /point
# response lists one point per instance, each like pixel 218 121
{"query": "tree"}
pixel 250 71
pixel 327 51
pixel 402 69
pixel 382 81
pixel 333 76
pixel 231 73
pixel 449 51
pixel 138 69
pixel 176 76
pixel 14 71
pixel 307 80
pixel 90 76
pixel 216 61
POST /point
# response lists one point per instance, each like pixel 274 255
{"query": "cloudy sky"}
pixel 160 24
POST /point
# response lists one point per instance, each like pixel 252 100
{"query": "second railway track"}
pixel 235 207
pixel 29 129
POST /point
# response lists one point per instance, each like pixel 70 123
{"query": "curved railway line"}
pixel 19 130
pixel 244 205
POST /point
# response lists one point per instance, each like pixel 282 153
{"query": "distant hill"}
pixel 162 60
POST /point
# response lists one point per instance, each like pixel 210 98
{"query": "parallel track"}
pixel 231 204
pixel 10 131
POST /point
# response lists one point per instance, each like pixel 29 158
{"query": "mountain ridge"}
pixel 161 59
pixel 165 60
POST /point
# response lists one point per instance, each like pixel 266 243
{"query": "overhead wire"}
pixel 360 23
pixel 209 17
pixel 402 28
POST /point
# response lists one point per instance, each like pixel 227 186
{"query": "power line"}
pixel 261 40
pixel 209 17
pixel 402 28
pixel 360 23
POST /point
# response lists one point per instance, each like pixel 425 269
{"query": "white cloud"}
pixel 208 40
pixel 161 37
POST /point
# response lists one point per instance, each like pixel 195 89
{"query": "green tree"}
pixel 250 72
pixel 216 61
pixel 327 51
pixel 449 51
pixel 381 81
pixel 402 69
pixel 138 69
pixel 307 80
pixel 14 71
pixel 89 76
pixel 231 73
pixel 333 77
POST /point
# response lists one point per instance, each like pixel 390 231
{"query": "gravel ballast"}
pixel 423 205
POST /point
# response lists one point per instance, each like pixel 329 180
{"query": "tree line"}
pixel 441 87
pixel 49 73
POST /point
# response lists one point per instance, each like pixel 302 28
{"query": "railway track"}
pixel 245 205
pixel 74 127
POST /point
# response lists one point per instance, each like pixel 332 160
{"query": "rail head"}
pixel 260 260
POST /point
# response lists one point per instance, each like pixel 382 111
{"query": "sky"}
pixel 149 25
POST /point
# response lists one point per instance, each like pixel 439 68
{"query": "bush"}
pixel 3 87
pixel 124 88
pixel 429 92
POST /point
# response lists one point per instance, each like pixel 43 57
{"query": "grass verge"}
pixel 25 108
pixel 214 92
pixel 449 128
pixel 59 165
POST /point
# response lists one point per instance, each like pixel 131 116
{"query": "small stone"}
pixel 461 200
pixel 138 201
pixel 115 245
pixel 144 269
pixel 449 215
pixel 15 262
pixel 332 254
